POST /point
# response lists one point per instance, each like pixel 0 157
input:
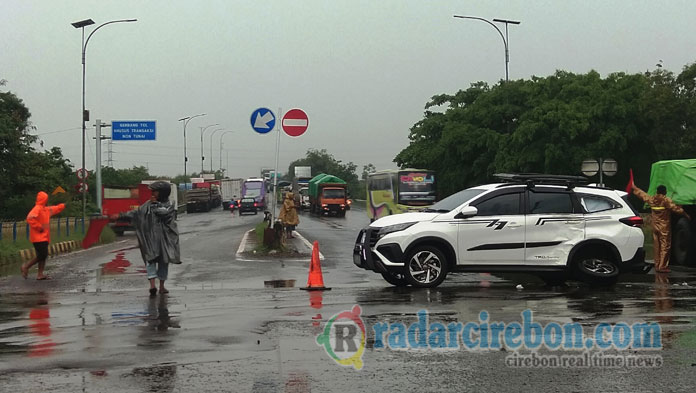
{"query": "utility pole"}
pixel 98 137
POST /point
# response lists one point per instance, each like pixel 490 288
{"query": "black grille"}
pixel 374 236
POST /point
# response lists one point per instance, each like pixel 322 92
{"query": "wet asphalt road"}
pixel 93 328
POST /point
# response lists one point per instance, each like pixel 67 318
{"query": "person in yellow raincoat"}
pixel 288 214
pixel 661 208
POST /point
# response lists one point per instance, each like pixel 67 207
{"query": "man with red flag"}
pixel 661 208
pixel 39 219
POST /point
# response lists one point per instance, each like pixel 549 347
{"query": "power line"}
pixel 55 132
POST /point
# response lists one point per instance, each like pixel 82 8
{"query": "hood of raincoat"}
pixel 288 195
pixel 41 198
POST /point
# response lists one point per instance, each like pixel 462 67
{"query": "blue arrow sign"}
pixel 262 120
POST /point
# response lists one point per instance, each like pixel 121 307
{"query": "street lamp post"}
pixel 202 156
pixel 85 116
pixel 186 120
pixel 504 37
pixel 212 135
pixel 221 136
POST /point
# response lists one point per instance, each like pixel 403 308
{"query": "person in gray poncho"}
pixel 156 230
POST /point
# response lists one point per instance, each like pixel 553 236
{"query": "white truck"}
pixel 231 190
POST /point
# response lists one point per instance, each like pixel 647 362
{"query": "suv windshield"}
pixel 455 200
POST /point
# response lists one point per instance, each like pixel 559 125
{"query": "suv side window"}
pixel 594 204
pixel 550 202
pixel 501 205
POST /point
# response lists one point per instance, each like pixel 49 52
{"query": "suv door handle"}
pixel 514 225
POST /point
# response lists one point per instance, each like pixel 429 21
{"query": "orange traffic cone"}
pixel 315 282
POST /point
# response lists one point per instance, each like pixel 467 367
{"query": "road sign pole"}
pixel 97 167
pixel 275 173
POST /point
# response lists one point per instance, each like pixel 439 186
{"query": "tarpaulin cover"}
pixel 679 176
pixel 321 179
pixel 94 231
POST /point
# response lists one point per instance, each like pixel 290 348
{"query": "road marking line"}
pixel 309 245
pixel 242 245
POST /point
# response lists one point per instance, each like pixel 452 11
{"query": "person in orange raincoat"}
pixel 661 208
pixel 38 220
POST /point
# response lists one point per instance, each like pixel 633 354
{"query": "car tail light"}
pixel 255 204
pixel 635 221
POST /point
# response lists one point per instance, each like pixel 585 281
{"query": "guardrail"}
pixel 19 229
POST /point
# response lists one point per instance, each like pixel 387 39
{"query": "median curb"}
pixel 53 250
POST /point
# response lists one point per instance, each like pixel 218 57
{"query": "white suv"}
pixel 557 227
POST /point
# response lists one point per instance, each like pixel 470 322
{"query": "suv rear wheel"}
pixel 426 267
pixel 597 270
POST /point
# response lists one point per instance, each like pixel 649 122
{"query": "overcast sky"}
pixel 362 69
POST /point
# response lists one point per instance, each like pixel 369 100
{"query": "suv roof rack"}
pixel 532 179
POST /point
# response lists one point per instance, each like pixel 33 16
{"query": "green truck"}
pixel 679 176
pixel 328 195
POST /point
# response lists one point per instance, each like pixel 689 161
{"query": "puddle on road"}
pixel 279 284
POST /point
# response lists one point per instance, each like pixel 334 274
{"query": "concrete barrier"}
pixel 53 250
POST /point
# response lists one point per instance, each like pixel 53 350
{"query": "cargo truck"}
pixel 198 200
pixel 231 190
pixel 328 195
pixel 679 176
pixel 119 199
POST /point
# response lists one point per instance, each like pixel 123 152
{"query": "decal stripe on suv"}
pixel 512 246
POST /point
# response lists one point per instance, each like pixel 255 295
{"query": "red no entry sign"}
pixel 295 122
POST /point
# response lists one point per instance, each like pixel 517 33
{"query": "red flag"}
pixel 629 187
pixel 95 228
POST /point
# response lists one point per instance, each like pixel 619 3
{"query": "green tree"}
pixel 25 171
pixel 551 124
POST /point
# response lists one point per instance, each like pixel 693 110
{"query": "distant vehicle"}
pixel 328 195
pixel 230 189
pixel 255 188
pixel 198 200
pixel 557 227
pixel 248 205
pixel 117 200
pixel 304 198
pixel 399 191
pixel 303 174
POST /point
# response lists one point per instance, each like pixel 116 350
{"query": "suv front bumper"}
pixel 383 258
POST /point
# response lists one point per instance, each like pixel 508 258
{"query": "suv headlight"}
pixel 394 228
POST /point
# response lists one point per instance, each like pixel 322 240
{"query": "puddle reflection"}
pixel 40 327
pixel 117 265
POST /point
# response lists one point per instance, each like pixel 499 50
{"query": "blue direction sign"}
pixel 262 120
pixel 135 130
